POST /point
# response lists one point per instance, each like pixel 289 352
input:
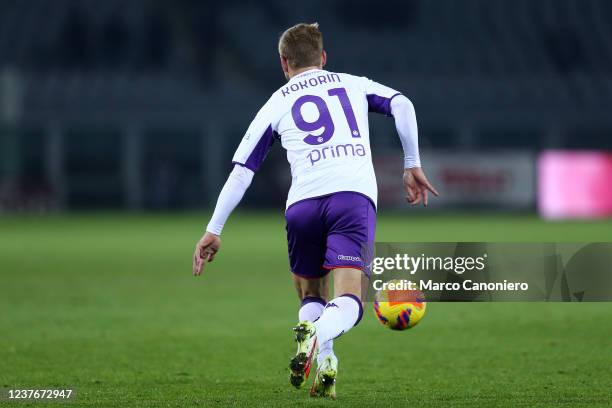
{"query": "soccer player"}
pixel 321 119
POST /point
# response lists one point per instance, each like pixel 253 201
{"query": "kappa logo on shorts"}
pixel 349 258
pixel 332 304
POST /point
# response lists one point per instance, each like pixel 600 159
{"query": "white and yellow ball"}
pixel 400 309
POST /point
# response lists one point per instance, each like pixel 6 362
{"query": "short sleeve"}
pixel 379 97
pixel 258 139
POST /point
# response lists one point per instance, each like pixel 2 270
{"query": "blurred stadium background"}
pixel 139 105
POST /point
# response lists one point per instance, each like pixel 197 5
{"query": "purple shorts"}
pixel 333 231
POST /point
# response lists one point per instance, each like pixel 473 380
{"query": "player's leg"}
pixel 345 310
pixel 313 294
pixel 306 243
pixel 340 315
pixel 351 219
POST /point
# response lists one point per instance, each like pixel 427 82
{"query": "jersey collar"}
pixel 310 71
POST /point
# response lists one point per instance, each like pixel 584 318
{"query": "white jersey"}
pixel 321 119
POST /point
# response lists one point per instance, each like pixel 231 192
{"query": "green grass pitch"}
pixel 106 304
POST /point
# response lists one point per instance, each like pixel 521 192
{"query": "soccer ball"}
pixel 400 309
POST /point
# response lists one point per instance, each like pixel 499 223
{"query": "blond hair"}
pixel 302 45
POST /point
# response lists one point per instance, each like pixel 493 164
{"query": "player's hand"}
pixel 205 251
pixel 417 186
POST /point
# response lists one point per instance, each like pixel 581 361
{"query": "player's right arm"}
pixel 248 158
pixel 416 184
pixel 385 100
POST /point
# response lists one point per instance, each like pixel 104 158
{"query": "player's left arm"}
pixel 231 194
pixel 249 156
